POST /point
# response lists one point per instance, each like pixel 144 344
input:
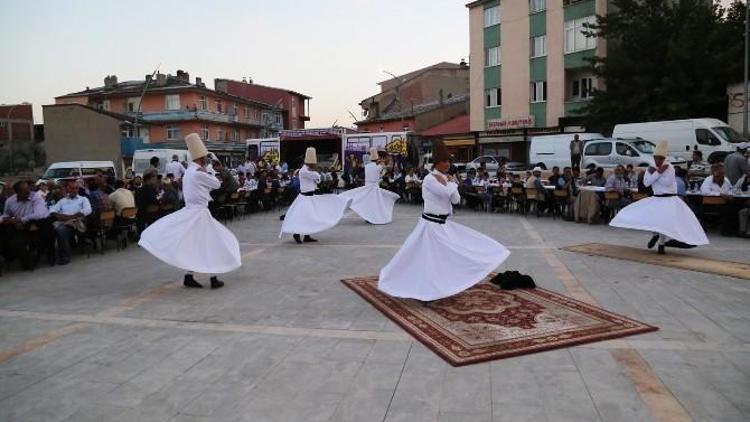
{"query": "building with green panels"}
pixel 534 43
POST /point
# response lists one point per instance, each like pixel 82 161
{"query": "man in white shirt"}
pixel 717 184
pixel 440 258
pixel 69 213
pixel 175 168
pixel 664 214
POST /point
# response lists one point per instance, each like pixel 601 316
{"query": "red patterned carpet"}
pixel 486 323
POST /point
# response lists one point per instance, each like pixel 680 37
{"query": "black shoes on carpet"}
pixel 672 243
pixel 191 283
pixel 677 244
pixel 307 238
pixel 510 280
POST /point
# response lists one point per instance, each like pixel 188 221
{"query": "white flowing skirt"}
pixel 314 214
pixel 191 239
pixel 440 260
pixel 669 216
pixel 373 204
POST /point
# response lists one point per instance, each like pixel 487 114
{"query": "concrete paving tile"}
pixel 363 404
pixel 464 416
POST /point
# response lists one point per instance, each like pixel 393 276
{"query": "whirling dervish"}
pixel 311 213
pixel 191 239
pixel 372 203
pixel 664 214
pixel 440 258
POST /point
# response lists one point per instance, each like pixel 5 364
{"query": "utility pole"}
pixel 136 131
pixel 10 137
pixel 746 97
pixel 398 96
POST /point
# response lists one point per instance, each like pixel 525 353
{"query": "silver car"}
pixel 610 153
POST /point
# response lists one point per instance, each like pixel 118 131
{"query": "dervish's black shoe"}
pixel 283 216
pixel 297 239
pixel 677 244
pixel 191 283
pixel 215 283
pixel 661 250
pixel 653 240
pixel 309 239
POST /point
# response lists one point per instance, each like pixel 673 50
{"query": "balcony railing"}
pixel 186 114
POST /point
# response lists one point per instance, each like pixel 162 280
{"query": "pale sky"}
pixel 331 50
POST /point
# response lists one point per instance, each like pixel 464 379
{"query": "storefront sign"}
pixel 510 123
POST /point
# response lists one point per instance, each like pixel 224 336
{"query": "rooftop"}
pixel 417 109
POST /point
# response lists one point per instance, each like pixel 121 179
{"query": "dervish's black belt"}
pixel 665 195
pixel 311 193
pixel 435 218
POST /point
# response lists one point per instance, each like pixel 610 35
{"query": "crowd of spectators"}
pixel 45 221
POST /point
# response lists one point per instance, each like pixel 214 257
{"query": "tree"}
pixel 665 60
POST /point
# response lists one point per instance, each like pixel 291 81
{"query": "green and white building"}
pixel 528 73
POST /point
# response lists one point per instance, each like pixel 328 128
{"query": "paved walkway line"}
pixel 40 341
pixel 373 245
pixel 339 333
pixel 209 326
pixel 660 401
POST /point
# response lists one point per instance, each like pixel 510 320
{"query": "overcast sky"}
pixel 331 50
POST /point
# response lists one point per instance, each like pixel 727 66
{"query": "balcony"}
pixel 186 114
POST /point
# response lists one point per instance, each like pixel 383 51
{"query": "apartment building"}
pixel 173 106
pixel 528 69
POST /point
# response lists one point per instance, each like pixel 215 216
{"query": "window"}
pixel 205 134
pixel 625 150
pixel 538 91
pixel 598 148
pixel 218 105
pixel 583 88
pixel 493 56
pixel 235 134
pixel 132 105
pixel 203 102
pixel 575 40
pixel 491 16
pixel 173 133
pixel 537 5
pixel 705 137
pixel 247 112
pixel 278 119
pixel 106 105
pixel 172 102
pixel 494 97
pixel 235 109
pixel 539 46
pixel 219 134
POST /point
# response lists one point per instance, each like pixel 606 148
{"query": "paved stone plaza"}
pixel 117 338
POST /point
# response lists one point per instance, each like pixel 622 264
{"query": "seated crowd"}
pixel 47 220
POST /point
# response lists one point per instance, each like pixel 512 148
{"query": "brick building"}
pixel 294 107
pixel 174 107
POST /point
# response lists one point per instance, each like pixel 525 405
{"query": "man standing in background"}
pixel 576 149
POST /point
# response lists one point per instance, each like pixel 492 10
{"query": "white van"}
pixel 554 150
pixel 711 136
pixel 142 159
pixel 76 169
pixel 609 153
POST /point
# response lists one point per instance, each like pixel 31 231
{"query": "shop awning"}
pixel 459 142
pixel 501 139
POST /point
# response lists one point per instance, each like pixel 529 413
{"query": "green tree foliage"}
pixel 665 60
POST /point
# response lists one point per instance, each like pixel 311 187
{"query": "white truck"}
pixel 142 159
pixel 267 148
pixel 548 151
pixel 714 138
